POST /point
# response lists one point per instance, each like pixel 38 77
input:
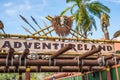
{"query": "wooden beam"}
pixel 22 69
pixel 108 56
pixel 62 50
pixel 55 62
pixel 90 52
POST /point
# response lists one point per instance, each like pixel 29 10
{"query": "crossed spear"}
pixel 25 20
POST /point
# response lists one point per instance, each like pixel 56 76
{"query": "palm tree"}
pixel 83 12
pixel 104 24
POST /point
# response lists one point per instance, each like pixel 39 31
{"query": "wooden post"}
pixel 87 76
pixel 108 73
pixel 27 73
pixel 100 75
pixel 20 76
pixel 83 77
pixel 117 76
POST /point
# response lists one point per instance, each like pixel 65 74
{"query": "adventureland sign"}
pixel 37 46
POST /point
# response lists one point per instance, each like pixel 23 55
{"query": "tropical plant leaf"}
pixel 101 6
pixel 67 1
pixel 93 22
pixel 64 11
pixel 72 7
pixel 84 12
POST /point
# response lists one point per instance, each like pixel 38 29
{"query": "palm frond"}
pixel 93 22
pixel 84 12
pixel 99 6
pixel 94 11
pixel 64 11
pixel 72 7
pixel 67 1
pixel 96 8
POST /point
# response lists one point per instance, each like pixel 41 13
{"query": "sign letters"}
pixel 37 46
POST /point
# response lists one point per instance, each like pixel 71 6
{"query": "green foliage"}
pixel 33 76
pixel 8 76
pixel 84 12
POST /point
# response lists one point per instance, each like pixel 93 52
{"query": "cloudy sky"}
pixel 39 9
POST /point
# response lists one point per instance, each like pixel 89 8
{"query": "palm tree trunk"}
pixel 106 36
pixel 106 33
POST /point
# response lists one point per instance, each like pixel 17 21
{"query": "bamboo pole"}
pixel 79 34
pixel 49 18
pixel 46 37
pixel 47 32
pixel 41 30
pixel 73 34
pixel 46 26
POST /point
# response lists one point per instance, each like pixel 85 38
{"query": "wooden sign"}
pixel 37 46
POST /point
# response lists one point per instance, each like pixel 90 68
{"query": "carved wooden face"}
pixel 1 25
pixel 62 25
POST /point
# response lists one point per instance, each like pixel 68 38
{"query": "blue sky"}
pixel 39 9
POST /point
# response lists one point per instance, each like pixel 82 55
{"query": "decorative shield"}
pixel 62 25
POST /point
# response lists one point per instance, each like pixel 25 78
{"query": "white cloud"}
pixel 7 4
pixel 24 6
pixel 40 5
pixel 15 8
pixel 10 11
